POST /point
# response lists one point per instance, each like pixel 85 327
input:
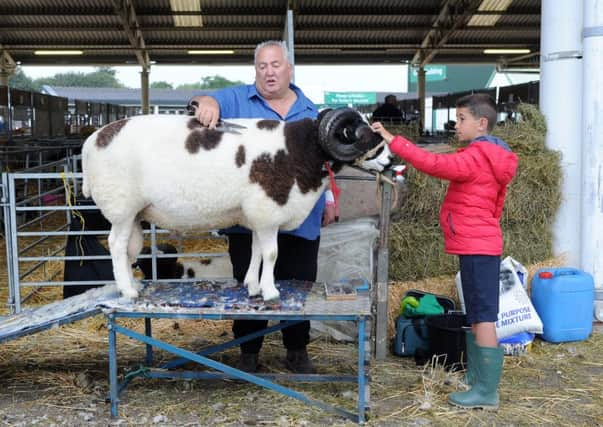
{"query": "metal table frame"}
pixel 225 371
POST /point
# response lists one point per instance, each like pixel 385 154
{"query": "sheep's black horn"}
pixel 344 135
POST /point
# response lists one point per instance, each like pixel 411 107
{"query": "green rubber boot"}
pixel 470 348
pixel 487 368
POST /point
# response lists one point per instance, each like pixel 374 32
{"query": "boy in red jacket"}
pixel 470 221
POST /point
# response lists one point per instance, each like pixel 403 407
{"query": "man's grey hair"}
pixel 278 43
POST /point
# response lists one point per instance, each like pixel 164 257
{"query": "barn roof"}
pixel 118 32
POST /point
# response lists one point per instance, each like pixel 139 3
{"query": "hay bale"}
pixel 416 243
pixel 417 251
pixel 410 130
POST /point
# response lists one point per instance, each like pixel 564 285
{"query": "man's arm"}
pixel 207 110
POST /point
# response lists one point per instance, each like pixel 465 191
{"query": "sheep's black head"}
pixel 344 134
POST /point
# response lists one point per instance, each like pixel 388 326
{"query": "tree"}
pixel 19 80
pixel 100 77
pixel 211 82
pixel 161 85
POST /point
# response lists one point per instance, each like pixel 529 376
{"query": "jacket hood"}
pixel 502 160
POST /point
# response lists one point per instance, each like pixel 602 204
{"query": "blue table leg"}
pixel 361 370
pixel 148 332
pixel 112 365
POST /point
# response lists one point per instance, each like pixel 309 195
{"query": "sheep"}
pixel 171 268
pixel 166 268
pixel 171 171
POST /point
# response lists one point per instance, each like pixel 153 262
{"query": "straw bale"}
pixel 417 251
pixel 526 136
pixel 410 130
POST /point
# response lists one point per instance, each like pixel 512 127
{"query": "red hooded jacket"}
pixel 478 175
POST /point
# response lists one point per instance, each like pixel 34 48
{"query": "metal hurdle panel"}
pixel 21 265
pixel 21 239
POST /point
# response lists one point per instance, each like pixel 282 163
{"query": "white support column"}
pixel 561 104
pixel 592 142
pixel 289 39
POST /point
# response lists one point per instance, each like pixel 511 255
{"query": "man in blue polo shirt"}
pixel 273 96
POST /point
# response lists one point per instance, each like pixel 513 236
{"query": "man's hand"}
pixel 206 110
pixel 328 215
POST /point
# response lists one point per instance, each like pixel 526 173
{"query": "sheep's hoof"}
pixel 253 290
pixel 129 292
pixel 271 296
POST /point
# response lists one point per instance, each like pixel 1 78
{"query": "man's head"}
pixel 391 99
pixel 273 71
pixel 475 116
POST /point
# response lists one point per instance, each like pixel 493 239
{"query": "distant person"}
pixel 470 221
pixel 389 111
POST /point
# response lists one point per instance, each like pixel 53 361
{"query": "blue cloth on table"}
pixel 215 294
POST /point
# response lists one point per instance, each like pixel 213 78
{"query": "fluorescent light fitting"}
pixel 479 20
pixel 494 5
pixel 192 13
pixel 483 20
pixel 58 52
pixel 211 52
pixel 505 51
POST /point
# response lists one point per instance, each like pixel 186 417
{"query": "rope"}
pixel 395 193
pixel 142 370
pixel 370 153
pixel 68 195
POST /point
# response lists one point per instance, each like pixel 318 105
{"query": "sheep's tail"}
pixel 85 188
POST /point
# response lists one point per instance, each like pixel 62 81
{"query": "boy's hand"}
pixel 378 128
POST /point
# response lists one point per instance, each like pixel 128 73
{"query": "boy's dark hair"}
pixel 479 105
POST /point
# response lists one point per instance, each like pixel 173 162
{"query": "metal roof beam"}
pixel 453 15
pixel 126 12
pixel 74 9
pixel 247 27
pixel 7 63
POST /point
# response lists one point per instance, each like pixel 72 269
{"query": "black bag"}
pixel 412 335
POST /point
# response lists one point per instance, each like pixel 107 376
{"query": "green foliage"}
pixel 101 77
pixel 161 85
pixel 211 82
pixel 19 80
pixel 106 77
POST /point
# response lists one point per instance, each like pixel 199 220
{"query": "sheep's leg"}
pixel 252 277
pixel 118 246
pixel 135 242
pixel 269 247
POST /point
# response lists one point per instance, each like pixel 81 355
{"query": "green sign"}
pixel 433 73
pixel 323 106
pixel 354 98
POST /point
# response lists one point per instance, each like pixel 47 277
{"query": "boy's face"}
pixel 468 127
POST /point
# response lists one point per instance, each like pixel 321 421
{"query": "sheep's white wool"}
pixel 142 168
